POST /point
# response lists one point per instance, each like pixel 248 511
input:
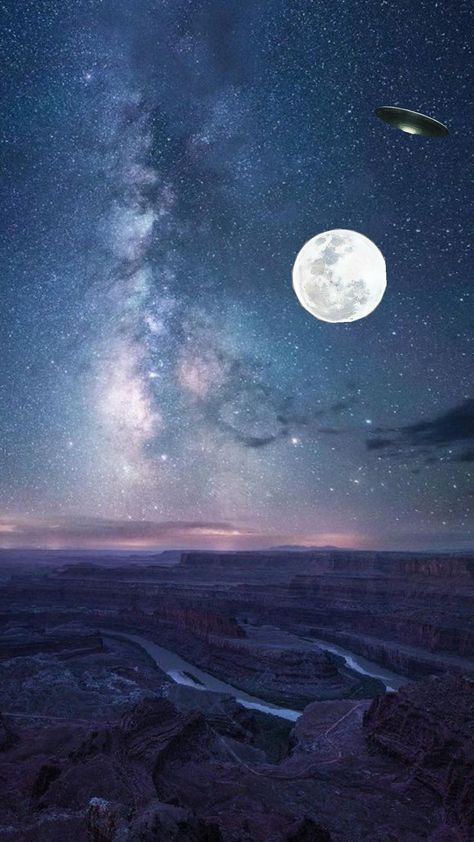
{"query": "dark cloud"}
pixel 453 426
pixel 255 442
pixel 432 438
pixel 378 443
pixel 236 393
pixel 258 416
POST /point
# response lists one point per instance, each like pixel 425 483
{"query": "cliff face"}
pixel 63 645
pixel 200 620
pixel 423 601
pixel 430 727
pixel 391 606
pixel 458 567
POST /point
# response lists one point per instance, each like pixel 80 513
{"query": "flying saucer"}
pixel 411 122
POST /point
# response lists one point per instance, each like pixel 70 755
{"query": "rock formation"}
pixel 429 726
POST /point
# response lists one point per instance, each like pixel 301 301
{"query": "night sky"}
pixel 162 163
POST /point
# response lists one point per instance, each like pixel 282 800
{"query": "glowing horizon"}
pixel 101 534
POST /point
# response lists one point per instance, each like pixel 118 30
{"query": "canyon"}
pixel 249 728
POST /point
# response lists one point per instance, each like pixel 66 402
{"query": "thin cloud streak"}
pixel 101 533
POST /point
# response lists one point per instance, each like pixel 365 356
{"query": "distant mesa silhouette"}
pixel 302 548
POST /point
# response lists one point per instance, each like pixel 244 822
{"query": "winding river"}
pixel 183 672
pixel 357 663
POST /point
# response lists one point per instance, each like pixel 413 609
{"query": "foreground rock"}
pixel 430 728
pixel 108 820
pixel 351 771
pixel 86 685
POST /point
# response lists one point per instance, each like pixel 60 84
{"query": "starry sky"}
pixel 162 162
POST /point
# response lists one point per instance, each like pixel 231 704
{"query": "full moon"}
pixel 339 276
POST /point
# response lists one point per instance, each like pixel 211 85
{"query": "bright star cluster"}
pixel 162 163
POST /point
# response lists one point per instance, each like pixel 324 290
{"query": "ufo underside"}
pixel 411 122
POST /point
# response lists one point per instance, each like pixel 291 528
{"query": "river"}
pixel 357 663
pixel 183 672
